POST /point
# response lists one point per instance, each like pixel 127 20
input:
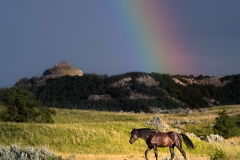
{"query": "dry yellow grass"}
pixel 93 135
pixel 132 156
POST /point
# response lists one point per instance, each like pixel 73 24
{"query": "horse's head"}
pixel 134 136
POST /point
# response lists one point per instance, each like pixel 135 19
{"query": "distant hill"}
pixel 62 69
pixel 59 70
pixel 64 86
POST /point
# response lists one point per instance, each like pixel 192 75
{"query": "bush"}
pixel 157 122
pixel 201 130
pixel 22 106
pixel 218 155
pixel 225 126
pixel 215 138
pixel 15 152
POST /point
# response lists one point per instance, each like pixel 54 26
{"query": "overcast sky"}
pixel 114 37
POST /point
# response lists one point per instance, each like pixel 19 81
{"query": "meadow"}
pixel 96 135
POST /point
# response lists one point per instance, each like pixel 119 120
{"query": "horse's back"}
pixel 161 139
pixel 173 134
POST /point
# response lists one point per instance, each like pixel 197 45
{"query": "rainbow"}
pixel 152 28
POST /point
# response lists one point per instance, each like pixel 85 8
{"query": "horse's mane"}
pixel 146 129
pixel 143 131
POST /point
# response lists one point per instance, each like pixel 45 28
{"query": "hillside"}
pixel 65 86
pixel 134 91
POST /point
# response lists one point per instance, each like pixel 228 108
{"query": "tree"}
pixel 22 106
pixel 224 125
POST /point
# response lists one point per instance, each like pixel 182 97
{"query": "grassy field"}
pixel 97 135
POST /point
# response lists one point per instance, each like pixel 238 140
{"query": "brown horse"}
pixel 155 139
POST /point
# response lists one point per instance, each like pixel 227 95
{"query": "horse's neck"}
pixel 144 134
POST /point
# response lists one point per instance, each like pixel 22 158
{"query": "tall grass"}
pixel 104 135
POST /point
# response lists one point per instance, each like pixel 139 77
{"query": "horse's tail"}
pixel 187 141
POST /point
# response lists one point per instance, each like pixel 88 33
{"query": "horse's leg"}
pixel 146 152
pixel 171 148
pixel 156 152
pixel 182 151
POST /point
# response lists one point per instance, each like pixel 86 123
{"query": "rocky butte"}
pixel 61 69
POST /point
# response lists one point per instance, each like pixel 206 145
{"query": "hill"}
pixel 64 86
pixel 134 91
pixel 61 69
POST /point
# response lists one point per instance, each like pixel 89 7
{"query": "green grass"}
pixel 104 134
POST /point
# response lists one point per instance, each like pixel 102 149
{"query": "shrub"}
pixel 201 130
pixel 218 155
pixel 215 138
pixel 22 106
pixel 158 123
pixel 224 125
pixel 15 152
pixel 179 124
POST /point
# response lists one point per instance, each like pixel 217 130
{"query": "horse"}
pixel 155 138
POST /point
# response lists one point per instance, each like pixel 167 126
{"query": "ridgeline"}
pixel 134 91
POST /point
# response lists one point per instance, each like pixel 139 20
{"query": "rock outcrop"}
pixel 140 96
pixel 99 97
pixel 126 82
pixel 62 69
pixel 148 81
pixel 179 82
pixel 216 81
